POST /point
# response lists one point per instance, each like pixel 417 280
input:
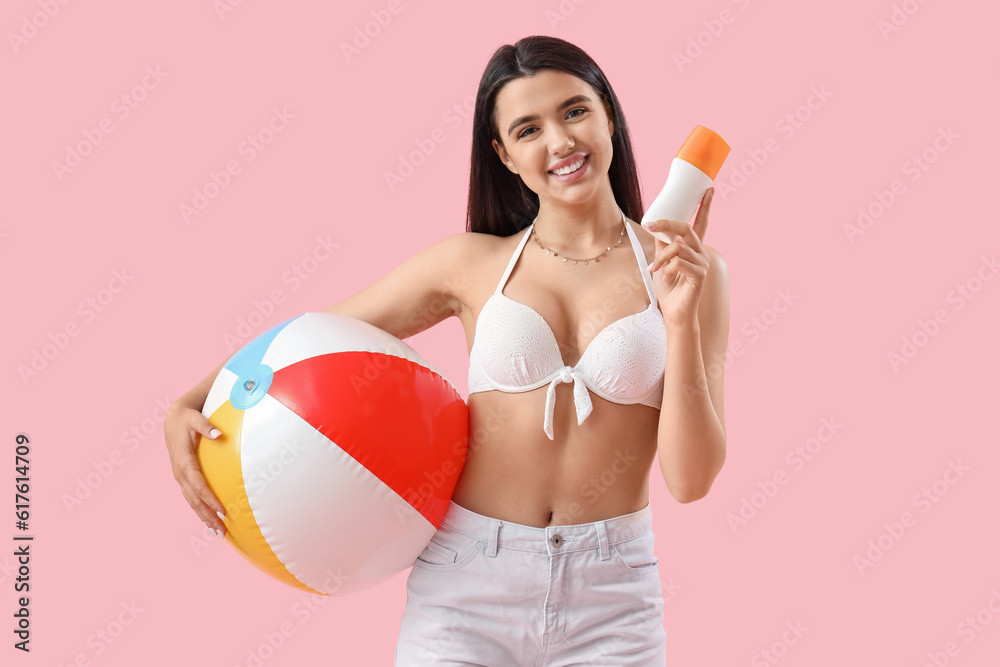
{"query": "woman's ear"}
pixel 611 122
pixel 503 156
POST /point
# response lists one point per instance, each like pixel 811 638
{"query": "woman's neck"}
pixel 579 229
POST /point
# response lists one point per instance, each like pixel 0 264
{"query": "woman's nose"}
pixel 560 142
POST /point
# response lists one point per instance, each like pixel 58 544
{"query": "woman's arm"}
pixel 421 292
pixel 692 429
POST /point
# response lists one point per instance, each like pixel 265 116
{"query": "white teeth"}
pixel 570 169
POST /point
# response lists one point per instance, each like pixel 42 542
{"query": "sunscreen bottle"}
pixel 691 174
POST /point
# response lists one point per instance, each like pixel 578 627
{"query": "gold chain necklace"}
pixel 621 237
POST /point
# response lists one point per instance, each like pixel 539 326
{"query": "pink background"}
pixel 731 594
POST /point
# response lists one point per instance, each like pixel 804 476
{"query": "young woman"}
pixel 594 347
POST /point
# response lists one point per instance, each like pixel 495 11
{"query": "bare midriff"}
pixel 594 471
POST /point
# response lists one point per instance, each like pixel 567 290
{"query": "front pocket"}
pixel 448 548
pixel 636 555
pixel 438 554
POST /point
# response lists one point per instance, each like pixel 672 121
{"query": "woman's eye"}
pixel 522 134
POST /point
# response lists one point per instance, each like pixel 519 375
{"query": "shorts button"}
pixel 557 540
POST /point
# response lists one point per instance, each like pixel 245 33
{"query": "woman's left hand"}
pixel 679 268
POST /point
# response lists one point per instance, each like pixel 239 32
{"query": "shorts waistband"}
pixel 505 534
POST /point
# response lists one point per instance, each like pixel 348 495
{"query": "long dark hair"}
pixel 499 201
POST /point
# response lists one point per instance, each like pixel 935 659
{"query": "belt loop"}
pixel 602 540
pixel 491 547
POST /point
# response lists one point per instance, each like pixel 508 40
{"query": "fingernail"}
pixel 221 516
pixel 649 224
pixel 214 433
pixel 219 533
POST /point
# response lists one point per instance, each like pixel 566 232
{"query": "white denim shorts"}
pixel 498 594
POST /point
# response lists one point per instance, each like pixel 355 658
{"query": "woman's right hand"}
pixel 183 426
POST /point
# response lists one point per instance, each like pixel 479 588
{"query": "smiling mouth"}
pixel 571 168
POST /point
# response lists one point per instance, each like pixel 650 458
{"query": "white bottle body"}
pixel 686 185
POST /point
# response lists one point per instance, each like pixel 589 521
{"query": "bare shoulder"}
pixel 486 242
pixel 473 242
pixel 479 248
pixel 471 255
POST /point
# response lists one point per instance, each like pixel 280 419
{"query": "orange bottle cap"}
pixel 704 149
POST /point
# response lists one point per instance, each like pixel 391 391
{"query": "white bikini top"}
pixel 514 350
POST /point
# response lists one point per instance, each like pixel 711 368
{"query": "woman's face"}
pixel 549 120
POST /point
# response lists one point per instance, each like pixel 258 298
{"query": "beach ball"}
pixel 339 452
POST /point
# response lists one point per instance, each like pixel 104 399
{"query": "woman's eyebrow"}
pixel 576 99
